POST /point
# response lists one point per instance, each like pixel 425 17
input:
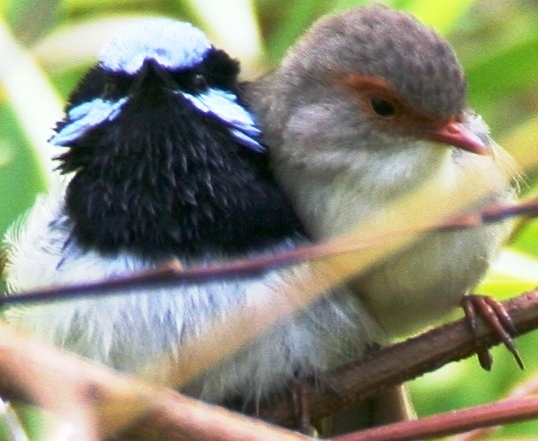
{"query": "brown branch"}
pixel 404 361
pixel 99 402
pixel 88 392
pixel 373 384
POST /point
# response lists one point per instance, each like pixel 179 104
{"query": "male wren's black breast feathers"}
pixel 164 162
pixel 364 108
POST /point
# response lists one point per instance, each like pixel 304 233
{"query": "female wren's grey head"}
pixel 405 78
pixel 390 45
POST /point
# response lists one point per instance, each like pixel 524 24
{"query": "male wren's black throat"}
pixel 163 178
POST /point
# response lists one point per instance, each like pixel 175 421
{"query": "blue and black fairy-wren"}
pixel 164 162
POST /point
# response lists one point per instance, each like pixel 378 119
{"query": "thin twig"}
pixel 526 389
pixel 249 267
pixel 501 412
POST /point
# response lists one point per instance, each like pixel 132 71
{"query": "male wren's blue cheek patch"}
pixel 223 105
pixel 85 117
pixel 172 44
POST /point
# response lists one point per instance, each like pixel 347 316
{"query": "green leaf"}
pixel 288 21
pixel 505 70
pixel 40 13
pixel 512 272
pixel 522 143
pixel 32 99
pixel 527 242
pixel 20 178
pixel 442 17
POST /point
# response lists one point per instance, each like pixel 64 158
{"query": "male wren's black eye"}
pixel 199 82
pixel 383 108
pixel 110 89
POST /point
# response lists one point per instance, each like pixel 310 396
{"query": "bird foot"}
pixel 300 396
pixel 496 316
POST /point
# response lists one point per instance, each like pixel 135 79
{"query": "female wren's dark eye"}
pixel 383 108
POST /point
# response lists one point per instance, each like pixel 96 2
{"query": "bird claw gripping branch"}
pixel 494 313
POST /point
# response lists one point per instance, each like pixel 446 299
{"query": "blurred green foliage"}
pixel 497 42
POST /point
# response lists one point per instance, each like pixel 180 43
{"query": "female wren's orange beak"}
pixel 456 134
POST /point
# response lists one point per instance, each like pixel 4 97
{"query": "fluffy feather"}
pixel 166 163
